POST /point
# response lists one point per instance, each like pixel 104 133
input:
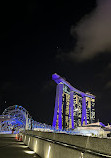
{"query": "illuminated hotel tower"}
pixel 73 108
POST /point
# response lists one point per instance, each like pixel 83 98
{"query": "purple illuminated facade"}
pixel 72 107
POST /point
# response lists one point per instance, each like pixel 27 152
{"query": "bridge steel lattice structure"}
pixel 18 117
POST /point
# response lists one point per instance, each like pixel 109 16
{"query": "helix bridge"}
pixel 18 118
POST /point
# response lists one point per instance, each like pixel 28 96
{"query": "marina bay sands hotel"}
pixel 73 108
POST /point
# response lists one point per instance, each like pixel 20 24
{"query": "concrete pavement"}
pixel 11 148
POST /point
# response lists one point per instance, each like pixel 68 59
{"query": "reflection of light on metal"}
pixel 29 141
pixel 24 146
pixel 35 147
pixel 29 152
pixel 20 143
pixel 48 151
pixel 25 139
pixel 82 155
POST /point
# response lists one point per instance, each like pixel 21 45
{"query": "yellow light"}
pixel 20 143
pixel 25 139
pixel 24 146
pixel 35 147
pixel 29 152
pixel 29 141
pixel 48 151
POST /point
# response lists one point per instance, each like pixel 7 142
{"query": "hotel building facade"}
pixel 73 108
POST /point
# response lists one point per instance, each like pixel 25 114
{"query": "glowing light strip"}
pixel 59 79
pixel 29 141
pixel 48 151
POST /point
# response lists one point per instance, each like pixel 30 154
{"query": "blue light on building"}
pixel 73 107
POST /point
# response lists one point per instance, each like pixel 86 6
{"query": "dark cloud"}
pixel 109 66
pixel 93 33
pixel 108 85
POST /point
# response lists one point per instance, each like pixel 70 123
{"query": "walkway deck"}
pixel 11 148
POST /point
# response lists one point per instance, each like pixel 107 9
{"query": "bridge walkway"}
pixel 11 148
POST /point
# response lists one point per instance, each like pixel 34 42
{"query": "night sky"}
pixel 70 38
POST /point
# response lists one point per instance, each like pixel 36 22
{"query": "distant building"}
pixel 90 109
pixel 96 124
pixel 94 129
pixel 73 108
pixel 97 129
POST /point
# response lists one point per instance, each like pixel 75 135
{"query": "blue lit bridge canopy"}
pixel 19 118
pixel 14 116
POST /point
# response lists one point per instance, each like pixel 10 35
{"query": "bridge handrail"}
pixel 75 147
